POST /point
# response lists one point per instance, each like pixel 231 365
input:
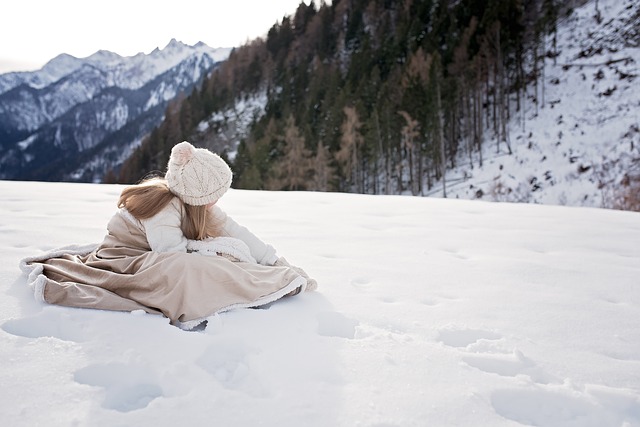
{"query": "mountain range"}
pixel 77 118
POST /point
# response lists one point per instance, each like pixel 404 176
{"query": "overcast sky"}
pixel 34 31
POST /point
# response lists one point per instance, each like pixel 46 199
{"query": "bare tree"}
pixel 350 143
pixel 294 168
pixel 440 125
pixel 410 133
pixel 323 171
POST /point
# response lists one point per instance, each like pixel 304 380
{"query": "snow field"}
pixel 429 312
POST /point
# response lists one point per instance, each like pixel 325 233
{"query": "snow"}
pixel 429 312
pixel 53 70
pixel 232 125
pixel 24 144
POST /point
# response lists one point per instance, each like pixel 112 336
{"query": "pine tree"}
pixel 255 158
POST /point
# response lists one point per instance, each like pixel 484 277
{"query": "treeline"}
pixel 371 96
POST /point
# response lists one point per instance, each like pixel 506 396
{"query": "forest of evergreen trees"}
pixel 371 96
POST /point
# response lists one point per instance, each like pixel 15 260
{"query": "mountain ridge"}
pixel 45 130
pixel 64 63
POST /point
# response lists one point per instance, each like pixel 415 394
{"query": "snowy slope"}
pixel 576 147
pixel 223 130
pixel 430 312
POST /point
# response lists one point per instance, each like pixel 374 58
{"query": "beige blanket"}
pixel 122 273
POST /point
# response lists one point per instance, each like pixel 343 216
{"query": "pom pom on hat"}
pixel 197 175
pixel 181 153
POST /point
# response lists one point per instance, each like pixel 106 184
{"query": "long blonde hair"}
pixel 149 197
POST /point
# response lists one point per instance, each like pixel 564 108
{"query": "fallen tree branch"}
pixel 600 64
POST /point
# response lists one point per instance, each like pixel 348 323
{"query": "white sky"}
pixel 34 31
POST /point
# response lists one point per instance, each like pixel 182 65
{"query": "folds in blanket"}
pixel 183 287
pixel 79 295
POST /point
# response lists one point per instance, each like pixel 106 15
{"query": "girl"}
pixel 170 250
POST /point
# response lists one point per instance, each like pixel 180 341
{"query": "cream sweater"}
pixel 164 234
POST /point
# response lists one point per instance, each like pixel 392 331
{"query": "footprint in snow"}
pixel 57 322
pixel 454 252
pixel 431 302
pixel 509 365
pixel 545 407
pixel 226 361
pixel 483 352
pixel 360 282
pixel 126 387
pixel 333 324
pixel 462 338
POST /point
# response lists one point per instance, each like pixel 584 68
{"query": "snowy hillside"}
pixel 429 312
pixel 222 131
pixel 581 143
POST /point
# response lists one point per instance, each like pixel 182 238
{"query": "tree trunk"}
pixel 504 104
pixel 468 124
pixel 544 48
pixel 535 75
pixel 441 138
pixel 479 119
pixel 376 178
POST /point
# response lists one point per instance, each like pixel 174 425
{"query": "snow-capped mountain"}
pixel 128 72
pixel 72 106
pixel 52 71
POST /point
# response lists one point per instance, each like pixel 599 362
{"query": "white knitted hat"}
pixel 197 175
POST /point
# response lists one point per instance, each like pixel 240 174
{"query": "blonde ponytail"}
pixel 148 198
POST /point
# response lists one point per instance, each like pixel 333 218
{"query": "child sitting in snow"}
pixel 171 250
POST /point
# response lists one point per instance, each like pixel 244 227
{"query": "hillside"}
pixel 498 100
pixel 429 312
pixel 581 145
